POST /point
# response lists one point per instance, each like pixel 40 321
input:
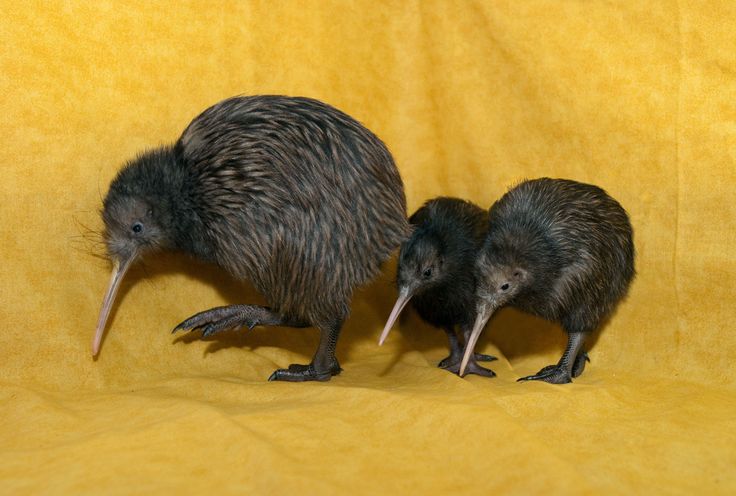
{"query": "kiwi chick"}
pixel 436 273
pixel 560 250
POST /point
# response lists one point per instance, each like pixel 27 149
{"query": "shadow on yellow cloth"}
pixel 470 97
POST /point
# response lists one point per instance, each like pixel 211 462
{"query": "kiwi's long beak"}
pixel 485 310
pixel 404 297
pixel 118 272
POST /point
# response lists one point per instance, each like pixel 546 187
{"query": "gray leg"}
pixel 457 356
pixel 579 364
pixel 324 364
pixel 456 351
pixel 452 362
pixel 562 373
pixel 229 317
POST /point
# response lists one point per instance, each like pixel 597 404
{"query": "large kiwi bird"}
pixel 558 249
pixel 290 194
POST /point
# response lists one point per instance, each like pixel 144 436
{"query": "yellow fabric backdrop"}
pixel 637 97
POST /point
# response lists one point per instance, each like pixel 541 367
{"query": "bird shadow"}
pixel 517 334
pixel 371 305
pixel 514 333
pixel 300 341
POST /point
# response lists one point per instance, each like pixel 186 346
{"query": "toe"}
pixel 192 323
pixel 551 374
pixel 302 373
pixel 448 362
pixel 185 325
pixel 474 368
pixel 209 330
pixel 485 358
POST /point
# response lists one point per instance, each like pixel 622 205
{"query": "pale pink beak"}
pixel 118 271
pixel 485 311
pixel 404 297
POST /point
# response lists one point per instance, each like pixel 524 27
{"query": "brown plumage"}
pixel 288 193
pixel 558 249
pixel 436 273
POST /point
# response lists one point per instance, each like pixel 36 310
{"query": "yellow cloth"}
pixel 637 97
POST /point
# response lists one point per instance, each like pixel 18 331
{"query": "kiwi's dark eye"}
pixel 504 286
pixel 137 227
pixel 427 272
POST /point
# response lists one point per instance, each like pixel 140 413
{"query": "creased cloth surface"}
pixel 471 97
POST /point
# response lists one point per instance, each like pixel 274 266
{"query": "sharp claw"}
pixel 218 319
pixel 274 376
pixel 182 326
pixel 531 378
pixel 477 370
pixel 472 369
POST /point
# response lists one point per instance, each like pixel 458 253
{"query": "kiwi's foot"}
pixel 472 367
pixel 454 361
pixel 554 374
pixel 220 319
pixel 301 373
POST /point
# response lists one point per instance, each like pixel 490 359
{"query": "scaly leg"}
pixel 579 364
pixel 573 360
pixel 452 361
pixel 472 368
pixel 456 352
pixel 324 364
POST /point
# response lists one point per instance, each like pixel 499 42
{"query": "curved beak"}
pixel 404 297
pixel 118 272
pixel 484 312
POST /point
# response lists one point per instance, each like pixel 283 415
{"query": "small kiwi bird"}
pixel 288 193
pixel 436 273
pixel 558 249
